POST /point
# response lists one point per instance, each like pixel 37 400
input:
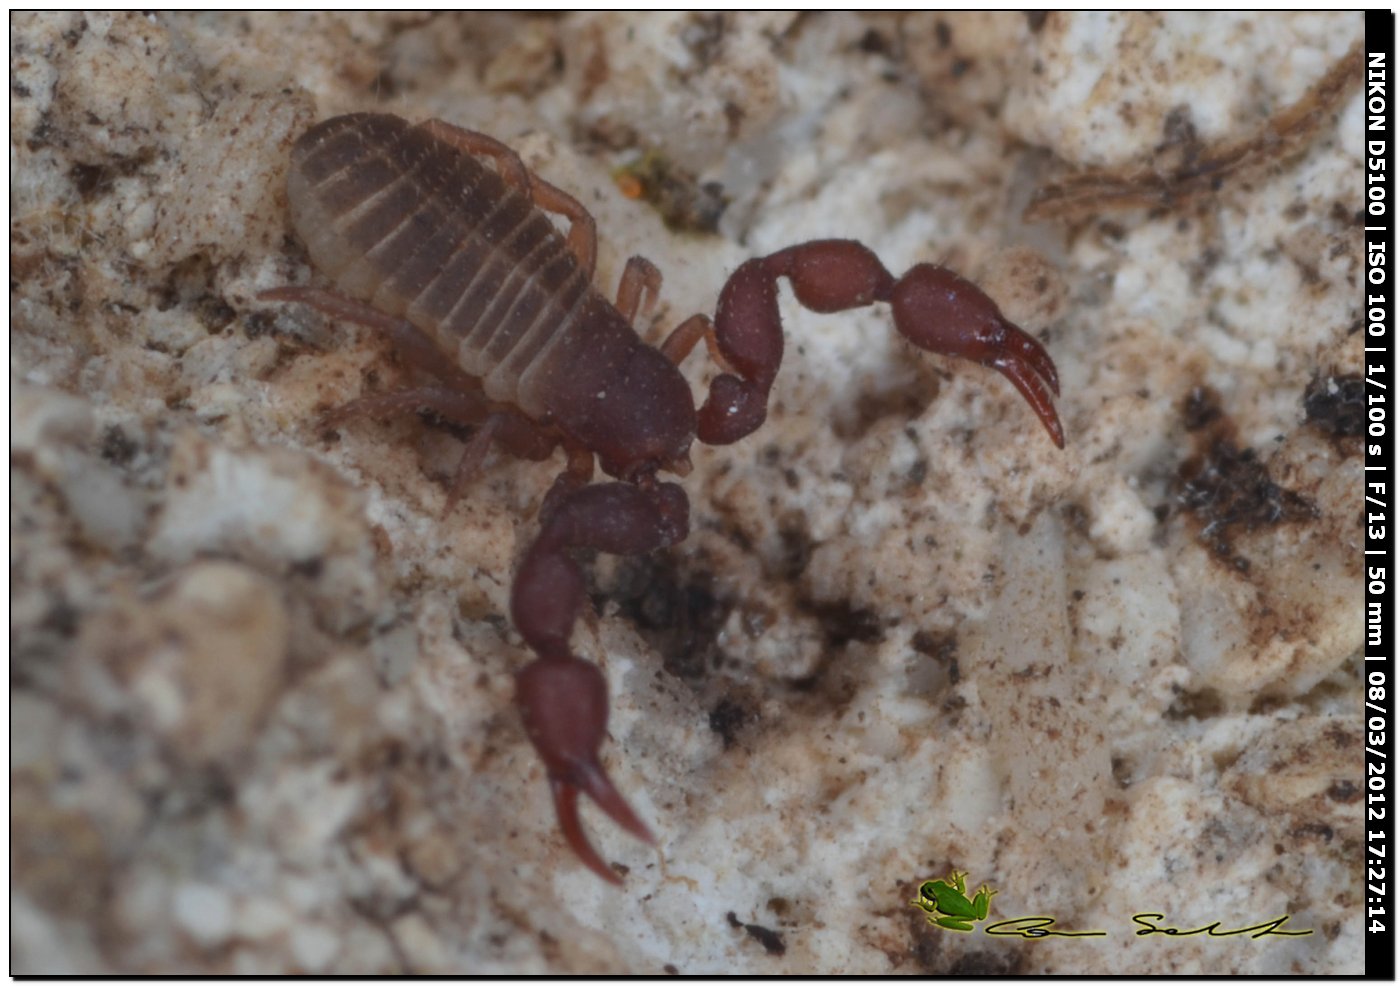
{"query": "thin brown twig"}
pixel 1185 169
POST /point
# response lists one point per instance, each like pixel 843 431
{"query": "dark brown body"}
pixel 458 264
pixel 417 229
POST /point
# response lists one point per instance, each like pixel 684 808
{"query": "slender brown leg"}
pixel 684 337
pixel 639 278
pixel 511 431
pixel 508 162
pixel 448 404
pixel 409 341
pixel 472 458
pixel 583 232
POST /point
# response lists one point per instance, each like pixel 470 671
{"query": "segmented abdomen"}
pixel 422 230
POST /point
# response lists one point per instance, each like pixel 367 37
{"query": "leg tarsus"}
pixel 510 430
pixel 677 346
pixel 469 467
pixel 638 288
pixel 583 231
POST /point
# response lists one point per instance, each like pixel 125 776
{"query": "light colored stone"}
pixel 204 911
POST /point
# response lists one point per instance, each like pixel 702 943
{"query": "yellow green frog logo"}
pixel 946 903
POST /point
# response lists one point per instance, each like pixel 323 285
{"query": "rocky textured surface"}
pixel 260 690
